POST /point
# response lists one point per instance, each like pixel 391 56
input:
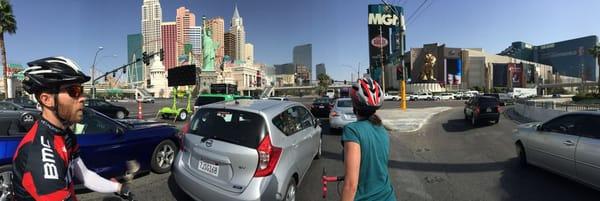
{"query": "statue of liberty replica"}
pixel 208 75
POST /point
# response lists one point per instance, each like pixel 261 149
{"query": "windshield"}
pixel 322 100
pixel 344 103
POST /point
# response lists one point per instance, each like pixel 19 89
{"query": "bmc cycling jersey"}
pixel 46 161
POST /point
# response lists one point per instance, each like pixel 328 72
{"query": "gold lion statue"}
pixel 427 73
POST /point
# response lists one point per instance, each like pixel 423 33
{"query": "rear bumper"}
pixel 488 116
pixel 260 188
pixel 320 112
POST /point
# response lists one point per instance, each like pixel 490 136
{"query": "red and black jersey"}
pixel 42 164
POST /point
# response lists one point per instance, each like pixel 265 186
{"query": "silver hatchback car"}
pixel 568 145
pixel 247 150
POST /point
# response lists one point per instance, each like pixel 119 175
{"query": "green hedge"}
pixel 580 97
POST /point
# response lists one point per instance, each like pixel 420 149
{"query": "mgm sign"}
pixel 386 36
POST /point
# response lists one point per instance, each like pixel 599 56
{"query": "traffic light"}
pixel 114 74
pixel 162 54
pixel 148 82
pixel 145 58
pixel 332 81
pixel 399 74
pixel 344 81
pixel 124 69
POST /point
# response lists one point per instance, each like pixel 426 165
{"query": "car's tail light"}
pixel 477 110
pixel 499 109
pixel 334 114
pixel 268 155
pixel 181 135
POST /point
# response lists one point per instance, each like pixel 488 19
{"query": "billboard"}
pixel 516 74
pixel 454 71
pixel 182 75
pixel 383 35
pixel 530 74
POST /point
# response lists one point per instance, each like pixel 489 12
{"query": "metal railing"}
pixel 567 107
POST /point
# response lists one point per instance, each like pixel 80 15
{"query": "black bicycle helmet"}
pixel 366 95
pixel 48 74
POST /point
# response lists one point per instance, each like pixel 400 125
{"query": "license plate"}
pixel 321 106
pixel 208 168
pixel 488 110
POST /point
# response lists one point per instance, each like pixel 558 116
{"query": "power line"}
pixel 419 14
pixel 417 10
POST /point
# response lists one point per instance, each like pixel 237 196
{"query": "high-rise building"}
pixel 230 45
pixel 217 27
pixel 169 44
pixel 285 69
pixel 151 19
pixel 303 57
pixel 196 42
pixel 321 69
pixel 184 19
pixel 569 58
pixel 237 29
pixel 249 51
pixel 135 72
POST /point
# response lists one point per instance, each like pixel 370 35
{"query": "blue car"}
pixel 107 144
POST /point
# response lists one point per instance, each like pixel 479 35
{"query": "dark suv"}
pixel 483 108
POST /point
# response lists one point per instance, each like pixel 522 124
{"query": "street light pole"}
pixel 94 72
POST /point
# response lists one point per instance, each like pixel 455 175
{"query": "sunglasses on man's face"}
pixel 75 91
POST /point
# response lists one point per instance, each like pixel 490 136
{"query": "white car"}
pixel 391 95
pixel 567 145
pixel 445 96
pixel 341 114
pixel 422 96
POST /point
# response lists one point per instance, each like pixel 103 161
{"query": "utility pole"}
pixel 94 72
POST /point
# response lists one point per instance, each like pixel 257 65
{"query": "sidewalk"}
pixel 409 121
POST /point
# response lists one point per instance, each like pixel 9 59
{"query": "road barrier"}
pixel 545 110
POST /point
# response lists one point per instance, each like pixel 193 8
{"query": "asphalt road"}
pixel 447 159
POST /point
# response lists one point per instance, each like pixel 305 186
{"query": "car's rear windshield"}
pixel 237 127
pixel 344 103
pixel 488 100
pixel 205 100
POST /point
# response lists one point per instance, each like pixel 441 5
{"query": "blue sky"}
pixel 336 28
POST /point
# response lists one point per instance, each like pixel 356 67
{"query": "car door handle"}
pixel 569 143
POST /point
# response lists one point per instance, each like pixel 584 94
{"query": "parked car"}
pixel 567 145
pixel 205 99
pixel 482 108
pixel 15 119
pixel 107 108
pixel 341 114
pixel 445 96
pixel 106 144
pixel 391 95
pixel 321 107
pixel 330 93
pixel 458 95
pixel 247 150
pixel 421 96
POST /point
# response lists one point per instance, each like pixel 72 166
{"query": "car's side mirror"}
pixel 539 127
pixel 317 122
pixel 120 131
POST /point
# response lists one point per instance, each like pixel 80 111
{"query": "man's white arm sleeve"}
pixel 92 180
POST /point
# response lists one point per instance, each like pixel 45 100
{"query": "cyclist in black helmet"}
pixel 47 158
pixel 366 147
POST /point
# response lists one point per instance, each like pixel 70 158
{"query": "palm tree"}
pixel 595 52
pixel 324 82
pixel 8 24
